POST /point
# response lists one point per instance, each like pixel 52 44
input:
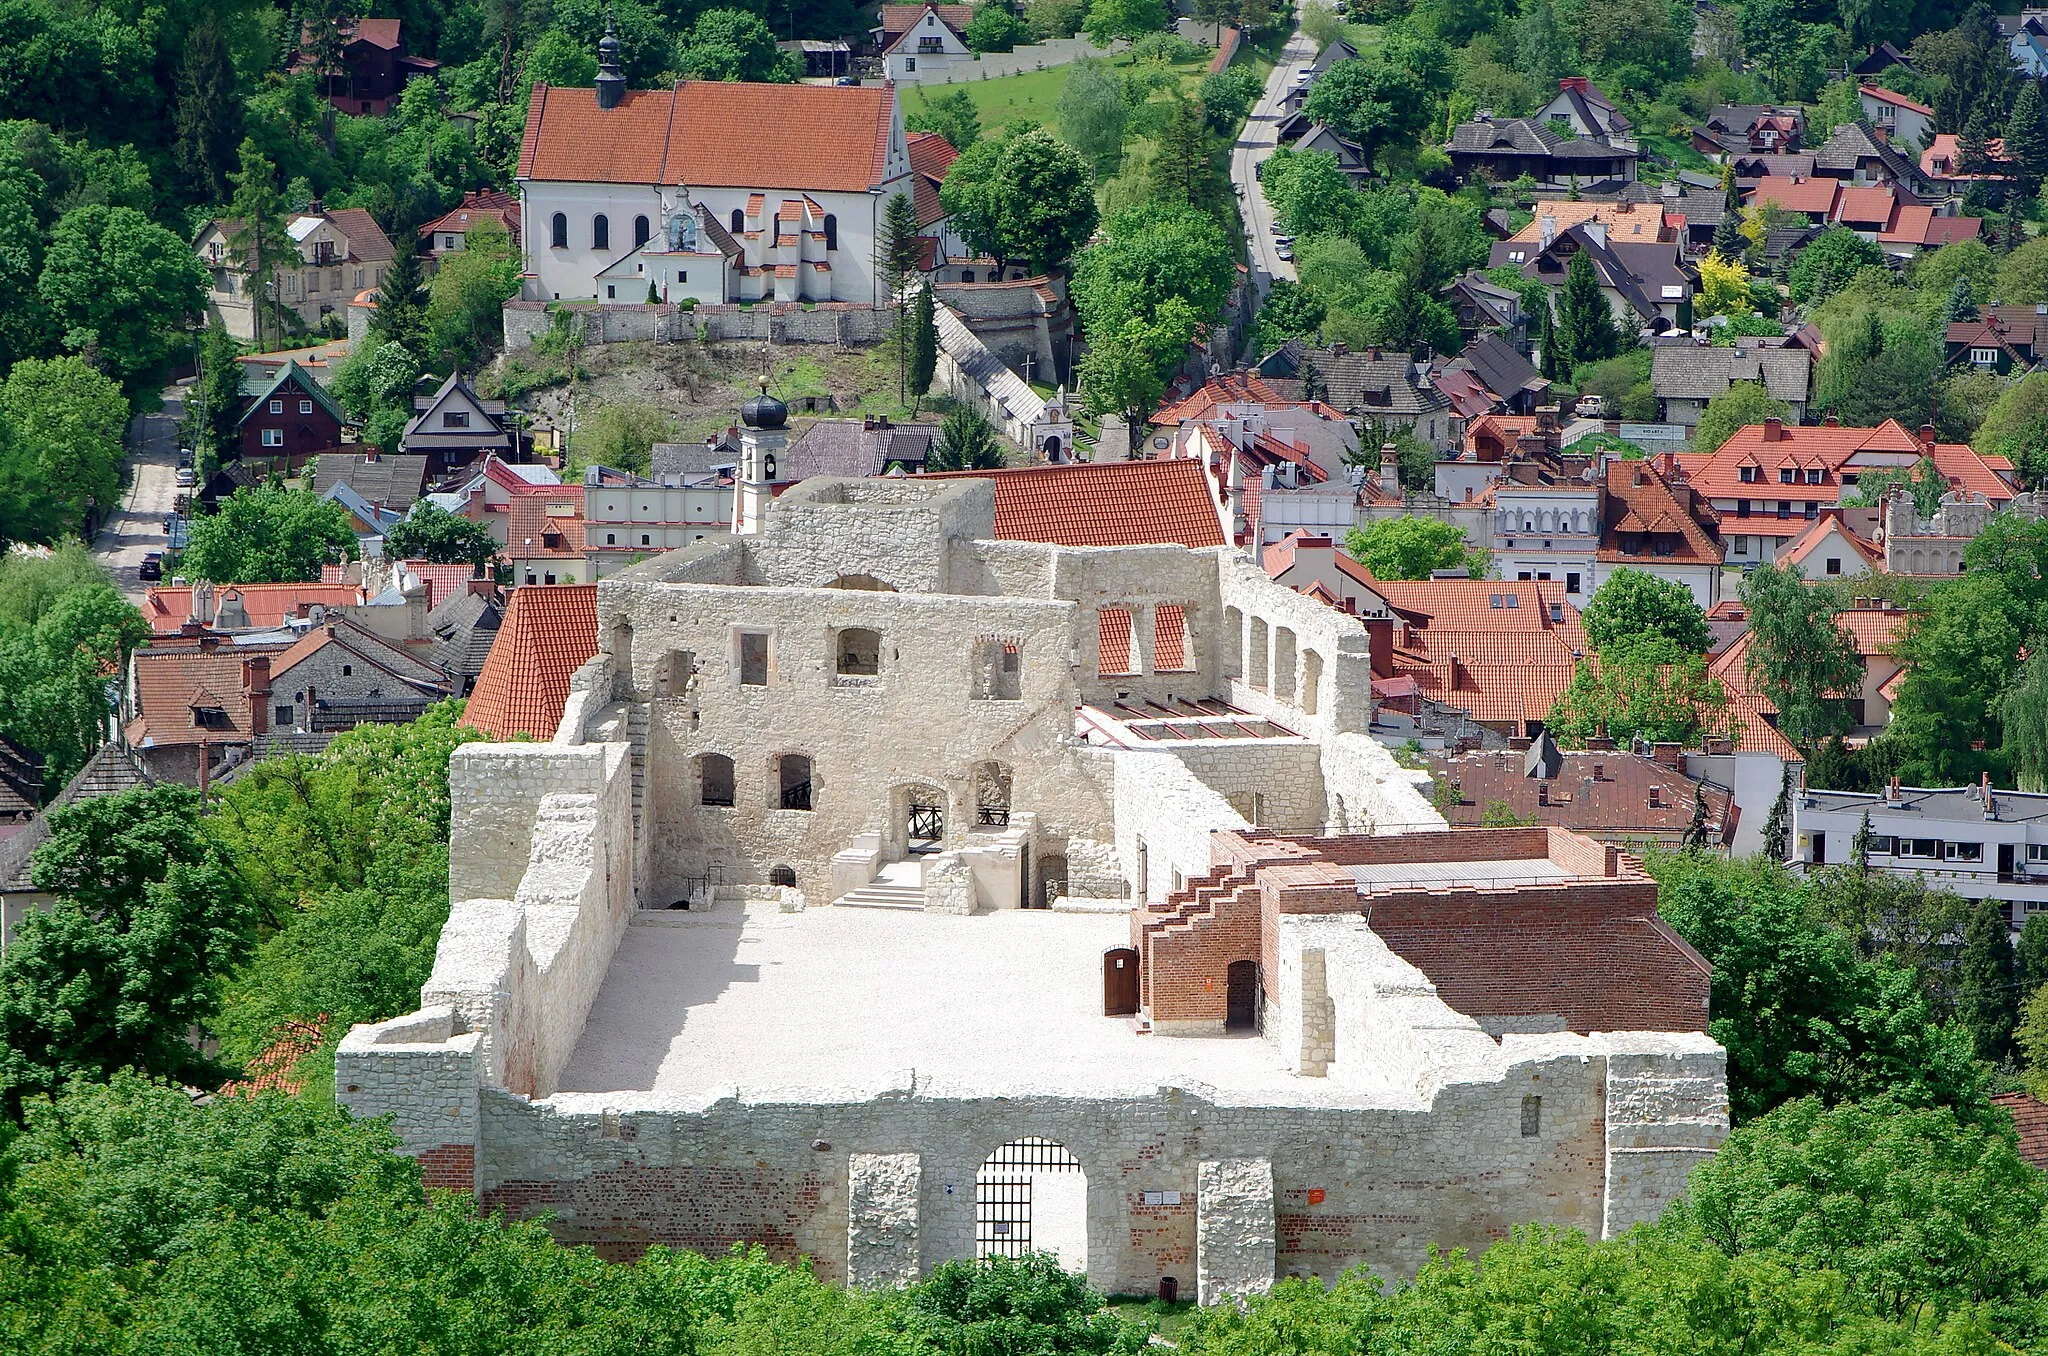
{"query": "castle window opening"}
pixel 859 652
pixel 793 781
pixel 1116 642
pixel 715 780
pixel 1532 1116
pixel 998 669
pixel 782 875
pixel 1170 650
pixel 1031 1195
pixel 991 794
pixel 753 659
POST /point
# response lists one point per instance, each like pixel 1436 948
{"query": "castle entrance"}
pixel 1031 1195
pixel 925 824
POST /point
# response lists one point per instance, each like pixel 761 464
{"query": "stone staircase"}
pixel 899 885
pixel 636 734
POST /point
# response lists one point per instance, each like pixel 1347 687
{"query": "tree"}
pixel 432 533
pixel 374 386
pixel 2026 136
pixel 1778 827
pixel 127 962
pixel 1183 171
pixel 65 424
pixel 1631 604
pixel 2023 274
pixel 268 535
pixel 1585 330
pixel 57 646
pixel 953 115
pixel 2023 716
pixel 401 302
pixel 1829 262
pixel 1023 196
pixel 1987 1001
pixel 924 345
pixel 1129 20
pixel 1024 1304
pixel 216 400
pixel 1228 96
pixel 209 110
pixel 1742 404
pixel 1310 194
pixel 1961 303
pixel 1799 659
pixel 465 301
pixel 1370 102
pixel 1412 548
pixel 1724 286
pixel 1542 51
pixel 966 442
pixel 1290 311
pixel 994 28
pixel 1651 688
pixel 622 436
pixel 736 44
pixel 1093 113
pixel 900 245
pixel 1960 654
pixel 120 288
pixel 257 238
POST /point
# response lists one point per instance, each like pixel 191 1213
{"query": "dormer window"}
pixel 1785 476
pixel 1747 475
pixel 1813 477
pixel 210 717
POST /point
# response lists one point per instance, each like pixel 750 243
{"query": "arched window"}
pixel 859 652
pixel 966 275
pixel 831 232
pixel 715 784
pixel 559 231
pixel 739 221
pixel 600 232
pixel 782 875
pixel 641 230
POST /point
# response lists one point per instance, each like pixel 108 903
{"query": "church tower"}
pixel 761 440
pixel 611 84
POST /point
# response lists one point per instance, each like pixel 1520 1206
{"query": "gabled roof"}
pixel 172 684
pixel 713 134
pixel 896 20
pixel 1625 221
pixel 548 632
pixel 392 482
pixel 931 156
pixel 1829 526
pixel 1699 372
pixel 167 607
pixel 110 771
pixel 1376 382
pixel 479 205
pixel 1105 503
pixel 1795 194
pixel 361 646
pixel 1894 98
pixel 1857 141
pixel 1504 371
pixel 1640 502
pixel 1832 449
pixel 453 390
pixel 291 374
pixel 536 513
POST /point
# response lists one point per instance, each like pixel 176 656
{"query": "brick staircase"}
pixel 899 885
pixel 1192 908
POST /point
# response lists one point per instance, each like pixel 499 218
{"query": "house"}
pixel 627 518
pixel 21 787
pixel 393 483
pixel 1580 110
pixel 1387 388
pixel 869 446
pixel 921 42
pixel 1251 413
pixel 1546 527
pixel 1645 282
pixel 1628 222
pixel 1247 452
pixel 1882 58
pixel 449 232
pixel 1501 651
pixel 1311 563
pixel 2026 35
pixel 2002 339
pixel 339 253
pixel 1104 503
pixel 1611 795
pixel 290 421
pixel 1860 155
pixel 1811 197
pixel 1303 135
pixel 317 361
pixel 1654 521
pixel 709 190
pixel 1491 150
pixel 1750 168
pixel 1832 547
pixel 487 494
pixel 1508 381
pixel 455 426
pixel 228 608
pixel 1685 377
pixel 1337 50
pixel 1941 164
pixel 193 705
pixel 931 156
pixel 1980 842
pixel 1876 627
pixel 111 770
pixel 1750 129
pixel 339 675
pixel 1483 306
pixel 464 626
pixel 1769 480
pixel 544 536
pixel 1904 122
pixel 546 634
pixel 374 66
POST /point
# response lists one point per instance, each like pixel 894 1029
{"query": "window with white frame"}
pixel 305 407
pixel 1963 852
pixel 2037 852
pixel 1924 848
pixel 1984 357
pixel 273 437
pixel 277 407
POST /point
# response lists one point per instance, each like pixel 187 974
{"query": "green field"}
pixel 1034 95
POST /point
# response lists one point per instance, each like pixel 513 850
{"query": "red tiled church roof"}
pixel 548 632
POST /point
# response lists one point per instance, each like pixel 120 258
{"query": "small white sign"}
pixel 1162 1198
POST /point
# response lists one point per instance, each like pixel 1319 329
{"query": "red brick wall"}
pixel 623 1211
pixel 451 1167
pixel 1186 969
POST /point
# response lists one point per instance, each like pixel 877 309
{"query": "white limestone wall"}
pixel 1368 792
pixel 1667 1112
pixel 1321 704
pixel 881 1234
pixel 421 1070
pixel 1164 817
pixel 1234 1238
pixel 1275 784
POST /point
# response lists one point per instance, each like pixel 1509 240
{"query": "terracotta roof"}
pixel 168 607
pixel 1829 524
pixel 1234 388
pixel 1832 449
pixel 713 134
pixel 1468 604
pixel 539 511
pixel 1109 503
pixel 1891 96
pixel 366 239
pixel 271 1070
pixel 1864 206
pixel 547 633
pixel 1916 225
pixel 1640 501
pixel 1500 677
pixel 931 155
pixel 1619 799
pixel 492 204
pixel 1625 221
pixel 170 682
pixel 1816 196
pixel 896 20
pixel 2030 1119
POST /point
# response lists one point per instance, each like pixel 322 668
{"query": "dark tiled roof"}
pixel 464 628
pixel 391 482
pixel 1375 383
pixel 848 447
pixel 1696 372
pixel 110 770
pixel 1505 372
pixel 1858 140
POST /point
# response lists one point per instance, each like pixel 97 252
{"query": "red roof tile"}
pixel 1795 194
pixel 167 607
pixel 713 134
pixel 1833 450
pixel 548 516
pixel 1639 500
pixel 1107 503
pixel 896 20
pixel 170 682
pixel 548 632
pixel 1893 97
pixel 931 156
pixel 2030 1119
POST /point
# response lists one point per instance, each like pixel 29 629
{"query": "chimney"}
pixel 369 453
pixel 1577 82
pixel 205 761
pixel 1374 352
pixel 1832 421
pixel 1927 439
pixel 1774 429
pixel 256 687
pixel 867 423
pixel 1598 231
pixel 1666 752
pixel 485 589
pixel 1390 470
pixel 1546 229
pixel 1599 744
pixel 1379 634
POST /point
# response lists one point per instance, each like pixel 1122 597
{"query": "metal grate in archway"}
pixel 1002 1193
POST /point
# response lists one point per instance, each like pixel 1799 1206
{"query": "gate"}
pixel 1002 1193
pixel 1120 982
pixel 927 822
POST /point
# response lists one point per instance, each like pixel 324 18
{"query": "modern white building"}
pixel 1547 532
pixel 707 191
pixel 627 519
pixel 1978 841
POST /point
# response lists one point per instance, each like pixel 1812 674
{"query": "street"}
pixel 138 528
pixel 1254 144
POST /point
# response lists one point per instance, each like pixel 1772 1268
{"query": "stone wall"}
pixel 826 322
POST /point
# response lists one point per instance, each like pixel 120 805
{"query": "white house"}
pixel 1980 842
pixel 1548 532
pixel 708 190
pixel 341 253
pixel 923 43
pixel 1906 122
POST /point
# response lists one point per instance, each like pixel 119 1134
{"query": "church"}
pixel 708 191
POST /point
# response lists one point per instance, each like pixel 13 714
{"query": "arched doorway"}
pixel 1052 881
pixel 1031 1195
pixel 622 658
pixel 1241 996
pixel 782 875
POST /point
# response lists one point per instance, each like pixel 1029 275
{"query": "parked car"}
pixel 186 479
pixel 1286 254
pixel 152 566
pixel 1590 407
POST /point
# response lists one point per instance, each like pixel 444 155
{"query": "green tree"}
pixel 1960 654
pixel 924 345
pixel 1585 330
pixel 401 301
pixel 1023 1304
pixel 1183 169
pixel 56 652
pixel 1829 262
pixel 1370 102
pixel 1289 311
pixel 967 442
pixel 257 238
pixel 1310 194
pixel 216 400
pixel 1631 604
pixel 1542 51
pixel 432 533
pixel 1093 113
pixel 994 28
pixel 2023 718
pixel 127 962
pixel 899 246
pixel 1987 999
pixel 736 44
pixel 1023 196
pixel 1799 659
pixel 1651 688
pixel 374 386
pixel 1129 20
pixel 953 115
pixel 465 301
pixel 1742 404
pixel 1411 548
pixel 209 110
pixel 65 424
pixel 622 436
pixel 120 288
pixel 1228 96
pixel 268 535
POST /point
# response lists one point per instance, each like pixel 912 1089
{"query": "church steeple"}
pixel 611 85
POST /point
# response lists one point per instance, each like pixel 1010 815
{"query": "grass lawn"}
pixel 1034 95
pixel 1167 1320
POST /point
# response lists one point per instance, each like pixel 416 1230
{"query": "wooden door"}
pixel 1120 982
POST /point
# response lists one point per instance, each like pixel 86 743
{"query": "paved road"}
pixel 152 489
pixel 1254 144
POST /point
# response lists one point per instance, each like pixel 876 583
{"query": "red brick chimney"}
pixel 1927 439
pixel 1379 632
pixel 1774 429
pixel 1577 82
pixel 256 687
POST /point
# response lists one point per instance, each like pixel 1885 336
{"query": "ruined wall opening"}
pixel 1233 643
pixel 1116 643
pixel 865 583
pixel 1171 652
pixel 714 780
pixel 676 674
pixel 991 795
pixel 1241 996
pixel 1283 663
pixel 793 782
pixel 622 658
pixel 782 875
pixel 998 669
pixel 1052 881
pixel 1031 1195
pixel 859 652
pixel 1311 681
pixel 1256 658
